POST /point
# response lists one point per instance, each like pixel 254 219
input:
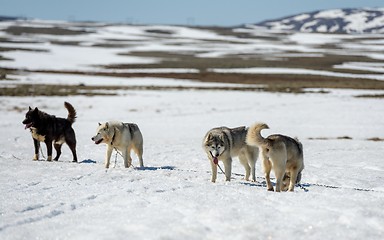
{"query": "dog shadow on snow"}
pixel 155 168
pixel 263 184
pixel 90 161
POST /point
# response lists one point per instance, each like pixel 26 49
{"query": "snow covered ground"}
pixel 173 198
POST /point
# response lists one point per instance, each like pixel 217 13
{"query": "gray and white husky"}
pixel 122 136
pixel 282 153
pixel 223 144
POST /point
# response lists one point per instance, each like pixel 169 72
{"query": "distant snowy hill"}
pixel 366 20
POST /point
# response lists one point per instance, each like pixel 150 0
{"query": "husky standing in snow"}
pixel 282 153
pixel 122 136
pixel 48 128
pixel 223 143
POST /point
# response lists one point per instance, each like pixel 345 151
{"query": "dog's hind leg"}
pixel 139 152
pixel 70 139
pixel 127 157
pixel 278 156
pixel 244 161
pixel 36 144
pixel 279 172
pixel 58 151
pixel 72 146
pixel 293 178
pixel 252 154
pixel 252 161
pixel 267 167
pixel 49 150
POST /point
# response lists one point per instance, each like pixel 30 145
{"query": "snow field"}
pixel 173 198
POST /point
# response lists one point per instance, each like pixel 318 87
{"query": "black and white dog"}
pixel 51 129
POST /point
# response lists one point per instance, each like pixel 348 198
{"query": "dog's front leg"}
pixel 214 171
pixel 36 144
pixel 49 149
pixel 108 156
pixel 228 169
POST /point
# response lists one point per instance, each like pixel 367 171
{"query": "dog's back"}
pixel 293 146
pixel 135 133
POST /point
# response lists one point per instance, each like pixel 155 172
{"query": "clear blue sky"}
pixel 195 12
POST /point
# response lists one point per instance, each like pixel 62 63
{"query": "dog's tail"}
pixel 254 137
pixel 71 112
pixel 299 145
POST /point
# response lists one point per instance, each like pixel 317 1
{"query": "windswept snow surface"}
pixel 172 197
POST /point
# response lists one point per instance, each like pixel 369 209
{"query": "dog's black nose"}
pixel 92 138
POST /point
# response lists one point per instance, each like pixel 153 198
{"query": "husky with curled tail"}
pixel 223 144
pixel 120 136
pixel 51 129
pixel 282 153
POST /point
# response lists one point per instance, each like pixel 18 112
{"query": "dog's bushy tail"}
pixel 254 137
pixel 299 145
pixel 71 112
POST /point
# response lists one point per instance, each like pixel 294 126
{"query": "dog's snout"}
pixel 215 154
pixel 93 138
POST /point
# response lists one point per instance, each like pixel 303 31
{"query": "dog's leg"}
pixel 252 163
pixel 58 151
pixel 251 156
pixel 36 144
pixel 127 157
pixel 279 172
pixel 139 153
pixel 228 168
pixel 214 171
pixel 278 156
pixel 49 149
pixel 70 139
pixel 108 156
pixel 244 161
pixel 267 167
pixel 292 182
pixel 279 169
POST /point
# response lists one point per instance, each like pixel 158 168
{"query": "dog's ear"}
pixel 222 138
pixel 209 137
pixel 107 125
pixel 30 108
pixel 35 111
pixel 99 124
